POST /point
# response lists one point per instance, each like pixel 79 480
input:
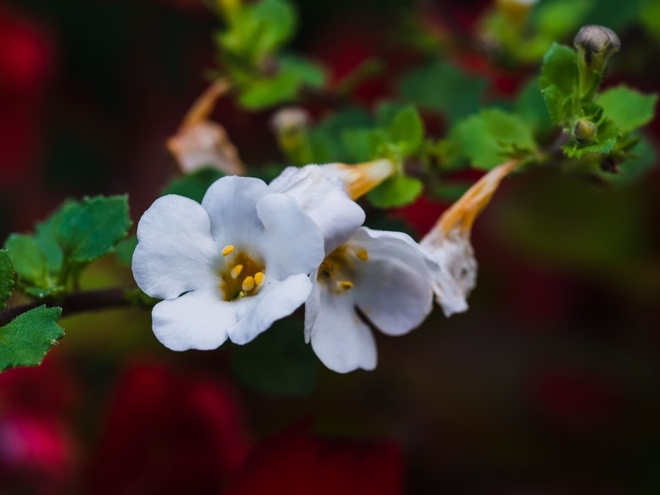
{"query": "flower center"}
pixel 339 268
pixel 242 276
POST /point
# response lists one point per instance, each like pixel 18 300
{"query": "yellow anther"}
pixel 248 284
pixel 259 279
pixel 236 271
pixel 362 254
pixel 228 249
pixel 345 284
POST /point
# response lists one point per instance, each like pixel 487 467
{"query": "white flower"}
pixel 229 267
pixel 384 275
pixel 448 242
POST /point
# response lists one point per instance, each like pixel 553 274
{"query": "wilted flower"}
pixel 201 142
pixel 449 242
pixel 229 267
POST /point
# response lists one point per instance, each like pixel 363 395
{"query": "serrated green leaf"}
pixel 6 277
pixel 531 107
pixel 559 83
pixel 636 164
pixel 89 229
pixel 29 260
pixel 45 238
pixel 627 108
pixel 443 88
pixel 263 92
pixel 399 190
pixel 28 337
pixel 194 185
pixel 406 130
pixel 41 292
pixel 357 143
pixel 278 361
pixel 488 138
pixel 305 71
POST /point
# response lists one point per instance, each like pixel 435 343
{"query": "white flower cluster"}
pixel 253 253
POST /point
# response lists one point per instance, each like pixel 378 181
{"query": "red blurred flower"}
pixel 168 433
pixel 37 451
pixel 26 63
pixel 298 463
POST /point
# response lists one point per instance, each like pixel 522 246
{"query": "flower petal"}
pixel 339 338
pixel 322 196
pixel 292 242
pixel 175 252
pixel 312 305
pixel 393 288
pixel 231 203
pixel 276 300
pixel 197 320
pixel 458 269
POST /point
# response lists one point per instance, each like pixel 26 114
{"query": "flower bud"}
pixel 584 131
pixel 291 126
pixel 290 120
pixel 596 44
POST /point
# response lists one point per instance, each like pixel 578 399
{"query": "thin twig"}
pixel 78 302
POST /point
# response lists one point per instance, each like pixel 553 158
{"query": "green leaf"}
pixel 443 88
pixel 357 143
pixel 305 72
pixel 493 135
pixel 275 21
pixel 531 107
pixel 26 339
pixel 89 229
pixel 278 361
pixel 29 260
pixel 125 249
pixel 627 108
pixel 399 190
pixel 267 91
pixel 559 83
pixel 6 277
pixel 194 185
pixel 406 130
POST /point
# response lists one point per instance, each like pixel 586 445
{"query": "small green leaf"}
pixel 492 136
pixel 305 72
pixel 559 83
pixel 89 229
pixel 263 92
pixel 560 69
pixel 278 361
pixel 399 190
pixel 28 337
pixel 531 107
pixel 6 277
pixel 443 88
pixel 358 144
pixel 627 108
pixel 29 260
pixel 275 21
pixel 406 130
pixel 195 185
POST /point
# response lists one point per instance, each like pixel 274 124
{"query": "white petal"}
pixel 339 338
pixel 196 320
pixel 175 252
pixel 322 196
pixel 231 203
pixel 393 287
pixel 275 301
pixel 312 305
pixel 458 269
pixel 292 243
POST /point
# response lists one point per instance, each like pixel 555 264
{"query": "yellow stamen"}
pixel 248 284
pixel 259 279
pixel 345 284
pixel 362 254
pixel 236 271
pixel 227 250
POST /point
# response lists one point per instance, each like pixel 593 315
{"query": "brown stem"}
pixel 77 302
